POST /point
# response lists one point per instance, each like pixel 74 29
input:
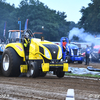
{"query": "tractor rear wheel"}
pixel 11 62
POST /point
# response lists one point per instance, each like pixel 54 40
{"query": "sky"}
pixel 70 7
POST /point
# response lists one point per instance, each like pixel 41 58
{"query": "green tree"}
pixel 90 19
pixel 55 25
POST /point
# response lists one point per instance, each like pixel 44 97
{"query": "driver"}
pixel 26 43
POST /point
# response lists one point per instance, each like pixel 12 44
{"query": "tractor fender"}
pixel 18 47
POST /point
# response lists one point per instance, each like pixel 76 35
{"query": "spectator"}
pixel 87 54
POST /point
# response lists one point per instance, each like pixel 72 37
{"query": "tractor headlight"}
pixel 47 53
pixel 60 54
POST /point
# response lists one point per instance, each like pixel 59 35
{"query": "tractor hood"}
pixel 72 46
pixel 47 49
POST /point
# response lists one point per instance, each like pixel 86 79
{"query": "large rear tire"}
pixel 11 62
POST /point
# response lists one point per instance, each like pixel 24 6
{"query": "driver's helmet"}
pixel 26 35
pixel 64 40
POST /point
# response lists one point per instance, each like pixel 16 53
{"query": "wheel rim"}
pixel 6 62
pixel 32 69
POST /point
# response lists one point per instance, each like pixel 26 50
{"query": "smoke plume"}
pixel 85 36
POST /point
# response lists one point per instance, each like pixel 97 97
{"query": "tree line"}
pixel 55 25
pixel 90 19
pixel 54 22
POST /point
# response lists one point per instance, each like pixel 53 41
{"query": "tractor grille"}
pixel 41 50
pixel 53 49
pixel 75 51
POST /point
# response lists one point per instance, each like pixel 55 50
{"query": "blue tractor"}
pixel 72 52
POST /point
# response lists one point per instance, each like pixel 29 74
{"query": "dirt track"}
pixel 49 87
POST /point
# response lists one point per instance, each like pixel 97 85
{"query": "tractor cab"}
pixel 14 36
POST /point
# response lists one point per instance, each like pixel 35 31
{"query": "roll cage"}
pixel 18 35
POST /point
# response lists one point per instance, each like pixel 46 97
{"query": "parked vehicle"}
pixel 95 53
pixel 72 52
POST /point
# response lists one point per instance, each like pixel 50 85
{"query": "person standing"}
pixel 64 48
pixel 87 54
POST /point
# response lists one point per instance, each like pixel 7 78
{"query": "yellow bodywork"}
pixel 35 54
pixel 46 66
pixel 34 50
pixel 65 67
pixel 23 68
pixel 18 47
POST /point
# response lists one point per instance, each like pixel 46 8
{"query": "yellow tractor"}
pixel 43 56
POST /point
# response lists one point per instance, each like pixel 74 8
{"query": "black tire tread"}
pixel 36 70
pixel 60 74
pixel 15 62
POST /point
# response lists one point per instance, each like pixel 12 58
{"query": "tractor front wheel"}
pixel 60 74
pixel 33 69
pixel 42 74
